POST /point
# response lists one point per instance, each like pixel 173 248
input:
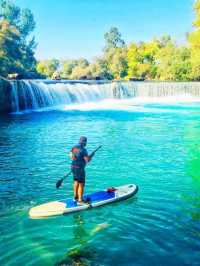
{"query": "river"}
pixel 150 140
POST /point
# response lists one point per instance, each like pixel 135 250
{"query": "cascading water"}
pixel 26 94
pixel 38 94
pixel 158 89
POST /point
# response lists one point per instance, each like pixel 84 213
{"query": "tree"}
pixel 100 68
pixel 10 53
pixel 113 39
pixel 67 67
pixel 117 62
pixel 173 63
pixel 164 41
pixel 181 67
pixel 48 67
pixel 142 61
pixel 22 19
pixel 9 12
pixel 82 62
pixel 194 38
pixel 81 70
pixel 23 22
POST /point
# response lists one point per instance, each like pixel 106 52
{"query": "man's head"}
pixel 83 141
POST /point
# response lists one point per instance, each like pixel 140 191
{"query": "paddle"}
pixel 59 182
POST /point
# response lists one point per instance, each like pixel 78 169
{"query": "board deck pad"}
pixel 90 198
pixel 93 200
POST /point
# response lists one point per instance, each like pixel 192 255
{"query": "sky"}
pixel 76 28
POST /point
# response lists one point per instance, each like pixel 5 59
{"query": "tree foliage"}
pixel 48 67
pixel 194 40
pixel 157 59
pixel 174 63
pixel 113 39
pixel 10 52
pixel 142 60
pixel 67 67
pixel 16 44
pixel 117 62
pixel 22 19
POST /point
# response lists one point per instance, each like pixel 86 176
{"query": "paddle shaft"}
pixel 93 153
pixel 69 173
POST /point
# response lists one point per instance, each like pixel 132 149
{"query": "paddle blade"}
pixel 59 183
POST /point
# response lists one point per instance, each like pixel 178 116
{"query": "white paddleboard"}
pixel 94 200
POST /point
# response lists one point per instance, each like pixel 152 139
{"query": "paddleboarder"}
pixel 80 158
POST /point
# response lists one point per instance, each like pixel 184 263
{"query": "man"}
pixel 80 158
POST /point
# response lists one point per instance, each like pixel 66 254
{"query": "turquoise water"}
pixel 156 146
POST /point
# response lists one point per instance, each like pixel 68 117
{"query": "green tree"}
pixel 81 69
pixel 67 67
pixel 142 61
pixel 23 22
pixel 194 38
pixel 113 39
pixel 10 53
pixel 22 19
pixel 114 59
pixel 117 62
pixel 99 68
pixel 173 63
pixel 48 67
pixel 80 72
pixel 82 62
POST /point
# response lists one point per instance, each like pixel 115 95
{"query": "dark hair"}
pixel 83 140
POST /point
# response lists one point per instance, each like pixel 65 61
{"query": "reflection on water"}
pixel 192 142
pixel 154 146
pixel 192 139
pixel 81 251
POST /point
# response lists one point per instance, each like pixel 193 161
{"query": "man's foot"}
pixel 75 198
pixel 80 202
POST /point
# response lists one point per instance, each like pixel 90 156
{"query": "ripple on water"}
pixel 160 225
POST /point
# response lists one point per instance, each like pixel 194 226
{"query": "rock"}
pixel 83 78
pixel 56 76
pixel 13 76
pixel 136 79
pixel 27 75
pixel 5 96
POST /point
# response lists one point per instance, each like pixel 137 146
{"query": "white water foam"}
pixel 135 104
pixel 29 96
pixel 139 104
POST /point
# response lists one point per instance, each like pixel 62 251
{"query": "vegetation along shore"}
pixel 158 59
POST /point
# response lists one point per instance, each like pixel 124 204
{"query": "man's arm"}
pixel 86 157
pixel 71 155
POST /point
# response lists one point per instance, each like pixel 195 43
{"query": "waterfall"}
pixel 159 89
pixel 36 94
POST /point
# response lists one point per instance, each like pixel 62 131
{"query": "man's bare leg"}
pixel 80 191
pixel 76 185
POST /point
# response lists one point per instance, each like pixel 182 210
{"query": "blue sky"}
pixel 75 28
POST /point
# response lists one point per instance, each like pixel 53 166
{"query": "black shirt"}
pixel 79 152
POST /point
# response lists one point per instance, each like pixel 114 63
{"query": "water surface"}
pixel 154 145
